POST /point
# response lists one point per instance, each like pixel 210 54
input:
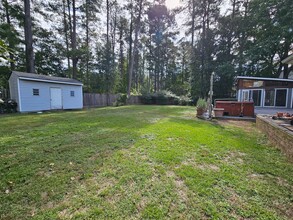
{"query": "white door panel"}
pixel 56 98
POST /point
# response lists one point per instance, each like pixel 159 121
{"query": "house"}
pixel 34 92
pixel 265 92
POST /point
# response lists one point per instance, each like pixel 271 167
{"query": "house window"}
pixel 72 93
pixel 245 96
pixel 270 97
pixel 36 92
pixel 281 97
pixel 256 97
pixel 252 96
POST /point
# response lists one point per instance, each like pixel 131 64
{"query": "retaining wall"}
pixel 281 137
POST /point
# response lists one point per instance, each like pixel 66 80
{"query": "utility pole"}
pixel 211 95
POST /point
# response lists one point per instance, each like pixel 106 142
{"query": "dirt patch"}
pixel 190 162
pixel 153 120
pixel 141 204
pixel 172 139
pixel 64 214
pixel 208 167
pixel 255 176
pixel 245 125
pixel 283 182
pixel 44 195
pixel 170 174
pixel 104 187
pixel 234 156
pixel 149 137
pixel 181 188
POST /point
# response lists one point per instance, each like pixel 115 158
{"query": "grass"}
pixel 139 162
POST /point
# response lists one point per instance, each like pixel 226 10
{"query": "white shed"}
pixel 34 92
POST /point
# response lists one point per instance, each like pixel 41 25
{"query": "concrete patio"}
pixel 272 111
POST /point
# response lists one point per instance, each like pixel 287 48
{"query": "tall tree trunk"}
pixel 202 57
pixel 242 39
pixel 285 55
pixel 192 23
pixel 137 27
pixel 65 23
pixel 87 40
pixel 73 42
pixel 11 55
pixel 108 52
pixel 29 52
pixel 130 38
pixel 121 59
pixel 114 27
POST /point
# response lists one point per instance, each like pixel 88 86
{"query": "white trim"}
pixel 239 95
pixel 265 79
pixel 251 97
pixel 291 99
pixel 244 91
pixel 51 81
pixel 19 98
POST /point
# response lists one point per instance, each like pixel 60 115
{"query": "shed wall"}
pixel 30 102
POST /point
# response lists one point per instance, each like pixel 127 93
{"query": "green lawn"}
pixel 139 162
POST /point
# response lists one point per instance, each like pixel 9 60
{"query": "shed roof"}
pixel 45 78
pixel 264 79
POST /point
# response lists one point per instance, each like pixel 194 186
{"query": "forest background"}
pixel 142 46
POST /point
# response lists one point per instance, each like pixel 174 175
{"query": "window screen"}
pixel 270 97
pixel 281 97
pixel 72 93
pixel 256 97
pixel 36 92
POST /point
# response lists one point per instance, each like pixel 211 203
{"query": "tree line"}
pixel 138 46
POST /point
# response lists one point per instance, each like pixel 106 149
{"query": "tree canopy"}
pixel 138 46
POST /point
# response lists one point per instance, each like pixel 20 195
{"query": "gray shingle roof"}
pixel 37 77
pixel 263 78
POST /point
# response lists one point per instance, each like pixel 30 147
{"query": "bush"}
pixel 165 97
pixel 147 99
pixel 185 100
pixel 8 106
pixel 201 104
pixel 121 100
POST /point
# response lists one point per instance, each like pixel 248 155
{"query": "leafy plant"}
pixel 165 97
pixel 8 106
pixel 185 100
pixel 121 100
pixel 201 104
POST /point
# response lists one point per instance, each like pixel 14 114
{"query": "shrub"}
pixel 8 106
pixel 121 100
pixel 185 100
pixel 201 104
pixel 147 99
pixel 165 97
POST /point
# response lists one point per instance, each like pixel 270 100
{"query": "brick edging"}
pixel 279 136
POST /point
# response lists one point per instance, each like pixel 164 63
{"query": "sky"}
pixel 171 4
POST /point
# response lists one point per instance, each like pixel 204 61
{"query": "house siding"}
pixel 42 102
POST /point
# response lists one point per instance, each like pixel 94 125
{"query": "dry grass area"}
pixel 139 162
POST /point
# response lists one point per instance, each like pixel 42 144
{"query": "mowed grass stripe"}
pixel 139 162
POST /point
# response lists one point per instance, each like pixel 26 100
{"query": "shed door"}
pixel 56 98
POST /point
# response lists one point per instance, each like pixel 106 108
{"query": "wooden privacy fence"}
pixel 100 100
